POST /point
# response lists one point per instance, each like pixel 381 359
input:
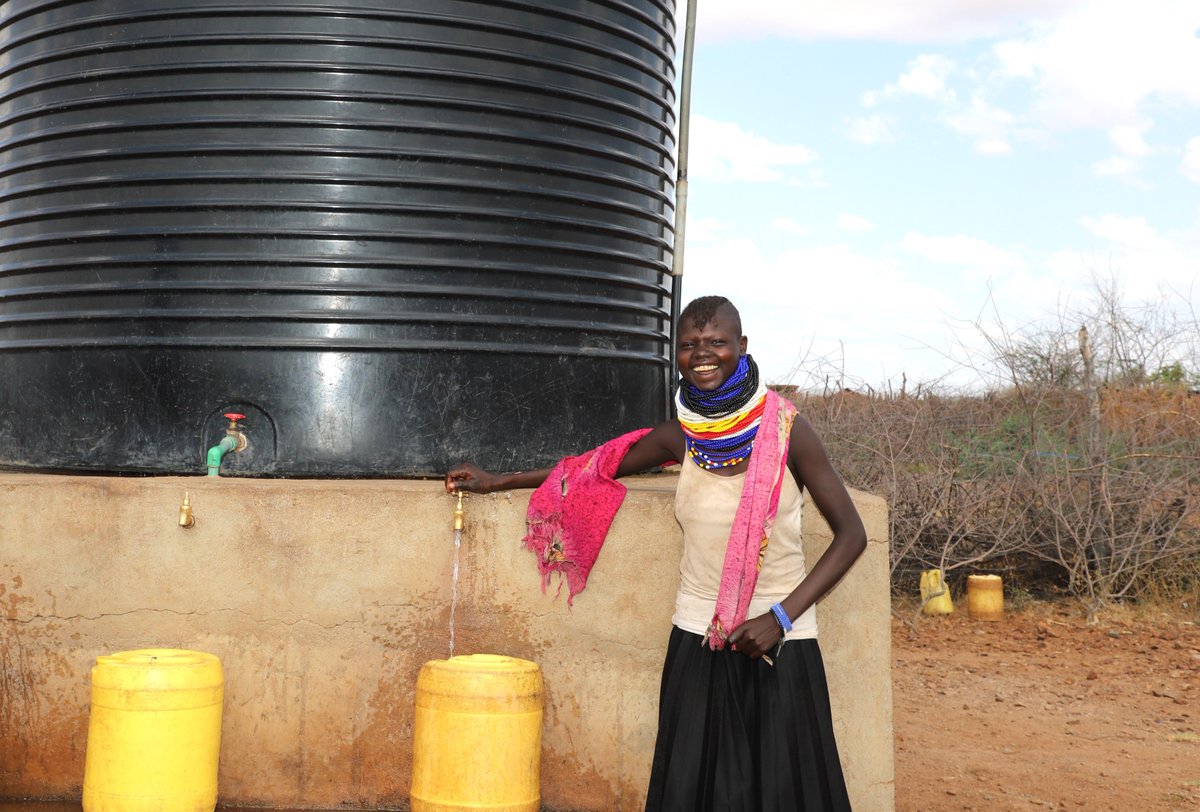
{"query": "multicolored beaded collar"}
pixel 720 426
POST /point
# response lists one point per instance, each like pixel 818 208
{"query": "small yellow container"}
pixel 477 735
pixel 985 597
pixel 154 732
pixel 931 584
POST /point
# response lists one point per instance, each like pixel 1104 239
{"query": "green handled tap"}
pixel 234 440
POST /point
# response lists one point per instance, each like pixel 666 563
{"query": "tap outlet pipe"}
pixel 186 517
pixel 217 453
pixel 233 440
pixel 459 515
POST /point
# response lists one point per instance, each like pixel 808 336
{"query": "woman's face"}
pixel 707 356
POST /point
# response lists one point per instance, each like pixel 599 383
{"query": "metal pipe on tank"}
pixel 685 113
pixel 681 186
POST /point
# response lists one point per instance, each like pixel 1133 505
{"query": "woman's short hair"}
pixel 704 309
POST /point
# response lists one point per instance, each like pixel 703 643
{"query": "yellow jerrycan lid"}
pixel 171 678
pixel 480 683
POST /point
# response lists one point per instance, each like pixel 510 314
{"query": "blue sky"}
pixel 878 184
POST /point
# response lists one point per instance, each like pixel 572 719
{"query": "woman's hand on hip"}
pixel 757 636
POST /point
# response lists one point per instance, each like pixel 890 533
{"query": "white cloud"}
pixel 1114 166
pixel 704 229
pixel 993 146
pixel 852 222
pixel 1145 259
pixel 969 253
pixel 789 226
pixel 1102 61
pixel 723 151
pixel 1191 159
pixel 1130 144
pixel 801 302
pixel 880 20
pixel 1130 140
pixel 813 178
pixel 1130 232
pixel 989 125
pixel 873 317
pixel 926 77
pixel 875 129
pixel 1094 64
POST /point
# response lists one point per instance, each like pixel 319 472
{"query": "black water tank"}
pixel 394 234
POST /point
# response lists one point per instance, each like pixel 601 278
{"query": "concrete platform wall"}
pixel 324 598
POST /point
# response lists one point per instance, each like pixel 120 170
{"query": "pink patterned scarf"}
pixel 754 520
pixel 570 513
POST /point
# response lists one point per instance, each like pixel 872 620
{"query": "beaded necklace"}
pixel 720 426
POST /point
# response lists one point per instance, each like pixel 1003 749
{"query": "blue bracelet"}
pixel 781 618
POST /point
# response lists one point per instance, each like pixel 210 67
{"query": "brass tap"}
pixel 186 519
pixel 458 513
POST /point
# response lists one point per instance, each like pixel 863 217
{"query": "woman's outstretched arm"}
pixel 662 445
pixel 473 479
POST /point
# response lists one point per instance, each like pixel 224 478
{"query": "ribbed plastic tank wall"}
pixel 394 234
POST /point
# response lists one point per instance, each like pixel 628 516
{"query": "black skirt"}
pixel 738 735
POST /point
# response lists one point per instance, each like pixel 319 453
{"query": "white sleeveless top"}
pixel 705 504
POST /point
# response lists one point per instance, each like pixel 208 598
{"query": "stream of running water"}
pixel 454 586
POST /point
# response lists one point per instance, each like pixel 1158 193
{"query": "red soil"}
pixel 1041 711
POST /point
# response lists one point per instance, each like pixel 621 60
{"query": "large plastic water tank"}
pixel 394 234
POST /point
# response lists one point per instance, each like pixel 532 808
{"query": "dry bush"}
pixel 1003 483
pixel 1108 505
pixel 1080 475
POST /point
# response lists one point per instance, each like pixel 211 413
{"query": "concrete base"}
pixel 324 598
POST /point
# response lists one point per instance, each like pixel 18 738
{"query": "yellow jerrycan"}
pixel 985 597
pixel 931 585
pixel 154 732
pixel 477 735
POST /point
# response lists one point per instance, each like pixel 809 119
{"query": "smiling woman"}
pixel 744 721
pixel 721 398
pixel 710 342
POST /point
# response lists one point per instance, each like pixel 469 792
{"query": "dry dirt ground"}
pixel 1042 711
